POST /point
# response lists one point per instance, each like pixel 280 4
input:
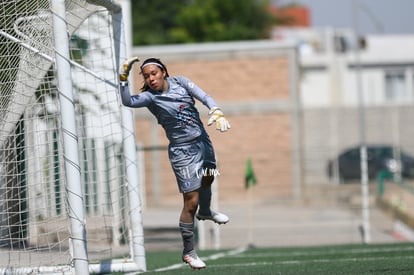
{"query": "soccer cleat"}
pixel 194 262
pixel 215 217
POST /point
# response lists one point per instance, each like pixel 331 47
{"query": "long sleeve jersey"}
pixel 174 109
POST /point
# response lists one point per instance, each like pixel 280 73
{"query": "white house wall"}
pixel 315 91
pixel 329 79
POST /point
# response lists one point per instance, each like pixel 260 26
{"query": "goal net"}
pixel 61 205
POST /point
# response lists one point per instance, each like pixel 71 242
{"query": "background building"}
pixel 293 104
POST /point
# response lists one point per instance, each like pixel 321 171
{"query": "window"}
pixel 395 87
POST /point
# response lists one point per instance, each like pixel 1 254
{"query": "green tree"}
pixel 185 21
pixel 152 20
pixel 217 20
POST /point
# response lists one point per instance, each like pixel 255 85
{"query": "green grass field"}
pixel 344 259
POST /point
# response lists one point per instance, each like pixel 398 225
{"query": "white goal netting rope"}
pixel 34 228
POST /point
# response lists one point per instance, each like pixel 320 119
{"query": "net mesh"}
pixel 34 229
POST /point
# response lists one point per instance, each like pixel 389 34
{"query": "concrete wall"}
pixel 329 131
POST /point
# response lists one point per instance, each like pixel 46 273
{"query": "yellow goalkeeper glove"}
pixel 126 67
pixel 216 115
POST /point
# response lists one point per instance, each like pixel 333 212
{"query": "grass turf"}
pixel 397 258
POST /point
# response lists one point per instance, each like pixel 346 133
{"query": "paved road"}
pixel 271 224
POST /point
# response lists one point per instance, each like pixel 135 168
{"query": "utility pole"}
pixel 365 227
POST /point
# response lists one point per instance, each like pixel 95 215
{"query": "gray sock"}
pixel 204 200
pixel 187 234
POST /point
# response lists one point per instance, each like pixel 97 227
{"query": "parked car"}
pixel 379 158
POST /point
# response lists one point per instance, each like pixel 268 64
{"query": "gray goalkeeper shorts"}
pixel 190 161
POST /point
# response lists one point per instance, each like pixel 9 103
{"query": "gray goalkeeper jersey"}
pixel 174 109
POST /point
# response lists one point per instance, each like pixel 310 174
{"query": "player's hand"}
pixel 217 116
pixel 126 67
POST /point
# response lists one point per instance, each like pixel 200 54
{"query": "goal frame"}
pixel 78 241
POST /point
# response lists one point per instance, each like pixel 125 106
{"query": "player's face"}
pixel 154 77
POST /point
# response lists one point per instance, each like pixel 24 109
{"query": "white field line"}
pixel 297 262
pixel 327 252
pixel 211 257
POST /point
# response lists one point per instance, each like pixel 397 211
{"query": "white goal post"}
pixel 70 200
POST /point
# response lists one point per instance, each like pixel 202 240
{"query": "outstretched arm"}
pixel 125 94
pixel 141 100
pixel 198 93
pixel 216 115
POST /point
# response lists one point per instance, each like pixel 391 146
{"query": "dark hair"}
pixel 157 62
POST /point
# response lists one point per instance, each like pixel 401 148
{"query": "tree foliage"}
pixel 152 20
pixel 185 21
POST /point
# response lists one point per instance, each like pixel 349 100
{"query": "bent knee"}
pixel 207 180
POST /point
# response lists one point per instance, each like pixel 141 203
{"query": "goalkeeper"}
pixel 191 153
